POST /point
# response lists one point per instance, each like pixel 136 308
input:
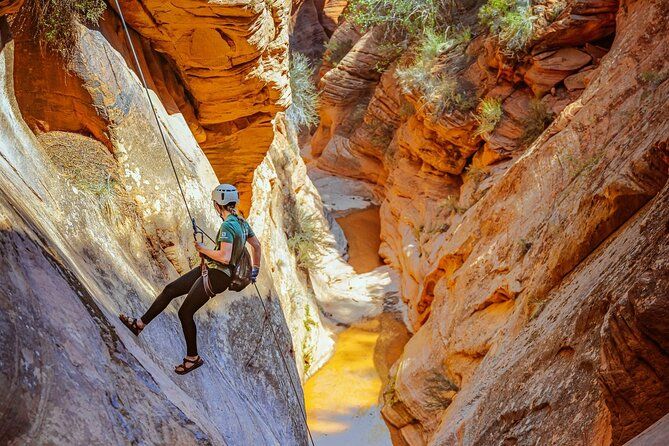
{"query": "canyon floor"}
pixel 343 397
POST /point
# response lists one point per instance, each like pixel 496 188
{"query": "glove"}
pixel 254 273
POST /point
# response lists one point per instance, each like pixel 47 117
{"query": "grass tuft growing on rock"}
pixel 305 240
pixel 511 21
pixel 489 114
pixel 440 91
pixel 56 21
pixel 303 112
pixel 310 325
pixel 536 121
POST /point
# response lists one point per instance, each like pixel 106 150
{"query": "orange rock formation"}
pixel 530 270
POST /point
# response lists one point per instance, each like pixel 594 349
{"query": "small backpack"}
pixel 241 272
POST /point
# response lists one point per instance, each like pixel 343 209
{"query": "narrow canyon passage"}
pixel 343 397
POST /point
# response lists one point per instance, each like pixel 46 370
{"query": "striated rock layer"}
pixel 535 271
pixel 229 64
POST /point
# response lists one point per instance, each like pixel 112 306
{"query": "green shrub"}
pixel 489 114
pixel 56 20
pixel 390 396
pixel 492 10
pixel 441 92
pixel 512 22
pixel 303 112
pixel 536 121
pixel 516 29
pixel 405 17
pixel 433 42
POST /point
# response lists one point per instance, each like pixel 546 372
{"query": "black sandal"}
pixel 131 324
pixel 196 363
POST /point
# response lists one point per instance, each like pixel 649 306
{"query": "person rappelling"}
pixel 227 266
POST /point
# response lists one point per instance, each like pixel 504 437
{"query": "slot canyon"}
pixel 462 205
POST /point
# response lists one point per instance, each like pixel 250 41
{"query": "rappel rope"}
pixel 285 364
pixel 196 229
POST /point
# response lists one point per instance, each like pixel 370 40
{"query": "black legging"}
pixel 190 283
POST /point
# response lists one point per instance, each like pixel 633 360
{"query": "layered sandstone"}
pixel 529 269
pixel 230 59
pixel 374 128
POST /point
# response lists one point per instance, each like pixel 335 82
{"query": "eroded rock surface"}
pixel 230 59
pixel 533 278
pixel 93 227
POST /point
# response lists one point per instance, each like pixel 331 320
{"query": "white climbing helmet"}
pixel 225 194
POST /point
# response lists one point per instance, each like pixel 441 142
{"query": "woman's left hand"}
pixel 199 246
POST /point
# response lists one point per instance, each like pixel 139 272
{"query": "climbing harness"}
pixel 197 230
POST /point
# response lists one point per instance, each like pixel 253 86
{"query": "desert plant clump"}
pixel 489 114
pixel 310 325
pixel 536 121
pixel 55 21
pixel 390 396
pixel 404 18
pixel 303 112
pixel 511 21
pixel 305 240
pixel 439 391
pixel 389 51
pixel 440 91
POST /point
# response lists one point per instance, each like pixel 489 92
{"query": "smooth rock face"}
pixel 90 229
pixel 656 435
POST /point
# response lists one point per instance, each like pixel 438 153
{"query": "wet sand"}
pixel 343 397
